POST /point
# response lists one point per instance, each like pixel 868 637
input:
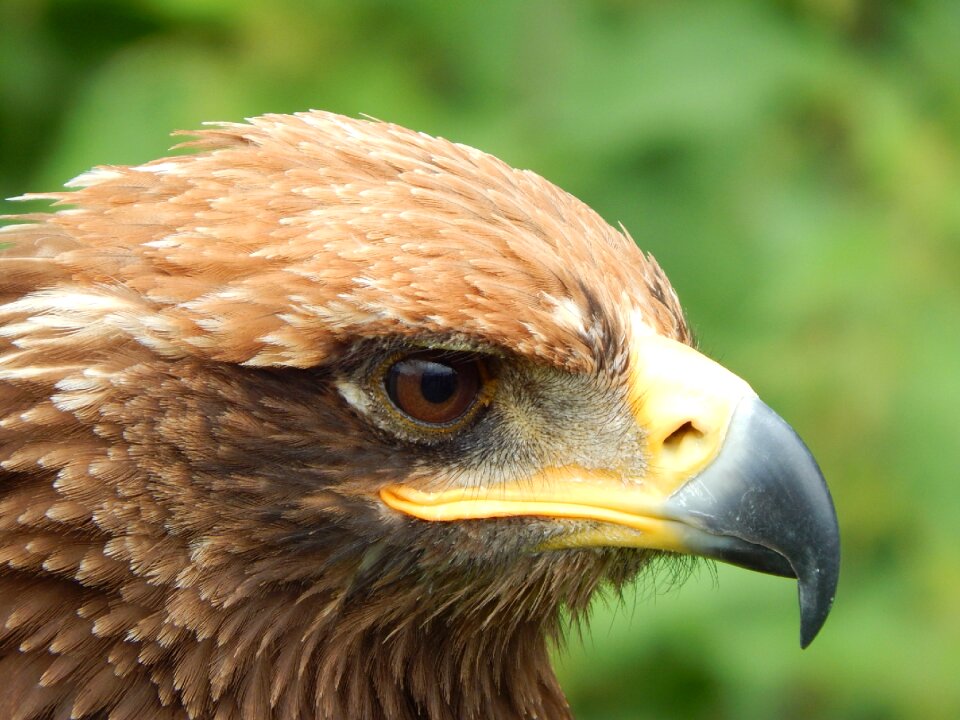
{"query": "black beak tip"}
pixel 811 620
pixel 817 589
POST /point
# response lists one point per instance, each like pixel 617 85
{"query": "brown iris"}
pixel 434 387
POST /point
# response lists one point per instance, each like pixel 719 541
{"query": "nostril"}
pixel 686 432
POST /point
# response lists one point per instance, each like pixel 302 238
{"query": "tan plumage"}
pixel 191 454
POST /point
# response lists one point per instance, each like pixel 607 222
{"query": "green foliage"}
pixel 795 167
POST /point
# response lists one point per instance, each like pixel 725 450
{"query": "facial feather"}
pixel 187 518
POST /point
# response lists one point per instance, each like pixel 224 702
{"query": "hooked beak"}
pixel 763 504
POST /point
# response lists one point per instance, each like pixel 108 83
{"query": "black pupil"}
pixel 438 382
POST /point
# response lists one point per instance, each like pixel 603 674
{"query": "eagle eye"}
pixel 435 388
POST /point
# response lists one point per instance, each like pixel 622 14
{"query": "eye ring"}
pixel 437 390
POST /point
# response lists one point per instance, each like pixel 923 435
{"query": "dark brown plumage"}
pixel 217 496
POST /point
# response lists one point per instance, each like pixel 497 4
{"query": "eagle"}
pixel 332 419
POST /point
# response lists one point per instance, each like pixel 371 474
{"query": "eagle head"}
pixel 332 419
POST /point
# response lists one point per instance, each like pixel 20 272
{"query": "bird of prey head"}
pixel 332 419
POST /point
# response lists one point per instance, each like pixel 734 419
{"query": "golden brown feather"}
pixel 191 453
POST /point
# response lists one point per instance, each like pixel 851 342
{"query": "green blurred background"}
pixel 795 167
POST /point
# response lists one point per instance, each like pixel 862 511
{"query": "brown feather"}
pixel 188 523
